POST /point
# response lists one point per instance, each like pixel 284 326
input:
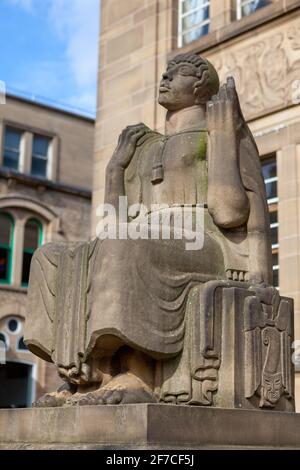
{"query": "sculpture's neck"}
pixel 185 119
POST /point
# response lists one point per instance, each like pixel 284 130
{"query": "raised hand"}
pixel 128 141
pixel 224 111
pixel 226 198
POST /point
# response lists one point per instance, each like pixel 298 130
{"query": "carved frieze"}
pixel 264 69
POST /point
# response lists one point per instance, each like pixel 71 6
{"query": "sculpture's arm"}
pixel 122 156
pixel 227 199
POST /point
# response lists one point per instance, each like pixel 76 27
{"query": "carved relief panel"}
pixel 265 69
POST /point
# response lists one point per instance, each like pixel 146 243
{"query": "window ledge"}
pixel 238 27
pixel 12 288
pixel 43 183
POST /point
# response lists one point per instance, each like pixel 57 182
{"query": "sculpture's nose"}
pixel 167 76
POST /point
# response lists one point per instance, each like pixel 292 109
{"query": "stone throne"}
pixel 147 321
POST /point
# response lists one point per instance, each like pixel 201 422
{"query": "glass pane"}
pixel 271 189
pixel 275 259
pixel 5 230
pixel 274 235
pixel 189 5
pixel 31 237
pixel 4 264
pixel 195 18
pixel 273 217
pixel 13 325
pixel 252 6
pixel 12 139
pixel 276 277
pixel 11 159
pixel 26 267
pixel 269 169
pixel 196 34
pixel 39 167
pixel 40 145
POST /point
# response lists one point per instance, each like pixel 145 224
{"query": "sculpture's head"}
pixel 189 80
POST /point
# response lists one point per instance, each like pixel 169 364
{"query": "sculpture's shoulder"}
pixel 149 138
pixel 143 148
pixel 51 252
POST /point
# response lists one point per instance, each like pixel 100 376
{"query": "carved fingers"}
pixel 223 110
pixel 127 143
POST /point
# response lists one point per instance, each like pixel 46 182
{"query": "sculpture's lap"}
pixel 140 287
pixel 136 287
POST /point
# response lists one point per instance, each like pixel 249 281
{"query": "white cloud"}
pixel 43 78
pixel 25 4
pixel 84 101
pixel 76 24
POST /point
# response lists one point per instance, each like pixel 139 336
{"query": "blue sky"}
pixel 49 48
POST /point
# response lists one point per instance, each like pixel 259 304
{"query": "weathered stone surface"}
pixel 147 426
pixel 143 319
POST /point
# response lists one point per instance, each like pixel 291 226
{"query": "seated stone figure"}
pixel 129 321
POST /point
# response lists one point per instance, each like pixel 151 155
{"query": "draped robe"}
pixel 88 299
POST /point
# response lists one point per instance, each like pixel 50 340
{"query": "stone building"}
pixel 256 41
pixel 45 195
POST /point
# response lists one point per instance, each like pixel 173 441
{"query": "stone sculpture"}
pixel 147 320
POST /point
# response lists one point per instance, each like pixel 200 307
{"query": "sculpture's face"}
pixel 176 89
pixel 272 386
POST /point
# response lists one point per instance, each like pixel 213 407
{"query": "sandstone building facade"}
pixel 46 158
pixel 256 41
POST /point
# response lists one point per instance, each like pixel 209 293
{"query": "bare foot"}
pixel 57 398
pixel 124 388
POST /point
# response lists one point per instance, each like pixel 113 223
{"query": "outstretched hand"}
pixel 223 110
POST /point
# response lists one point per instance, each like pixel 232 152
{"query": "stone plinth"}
pixel 147 427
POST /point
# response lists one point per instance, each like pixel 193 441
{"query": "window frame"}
pixel 31 250
pixel 181 15
pixel 41 157
pixel 25 160
pixel 21 147
pixel 239 6
pixel 273 207
pixel 9 248
pixel 6 342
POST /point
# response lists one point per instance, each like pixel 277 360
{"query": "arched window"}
pixel 6 244
pixel 3 340
pixel 21 345
pixel 33 235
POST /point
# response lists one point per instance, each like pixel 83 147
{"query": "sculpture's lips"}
pixel 163 89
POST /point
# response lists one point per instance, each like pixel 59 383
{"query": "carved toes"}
pixel 111 397
pixel 49 401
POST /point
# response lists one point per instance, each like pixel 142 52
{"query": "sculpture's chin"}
pixel 163 101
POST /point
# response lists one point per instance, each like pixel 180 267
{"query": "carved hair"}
pixel 208 84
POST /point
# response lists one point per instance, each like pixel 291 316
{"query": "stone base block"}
pixel 147 426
